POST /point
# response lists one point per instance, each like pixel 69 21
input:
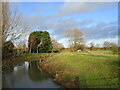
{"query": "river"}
pixel 27 75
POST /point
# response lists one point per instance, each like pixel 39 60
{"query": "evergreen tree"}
pixel 41 43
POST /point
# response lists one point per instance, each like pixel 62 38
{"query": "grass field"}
pixel 96 69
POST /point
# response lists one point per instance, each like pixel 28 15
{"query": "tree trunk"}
pixel 30 50
pixel 37 49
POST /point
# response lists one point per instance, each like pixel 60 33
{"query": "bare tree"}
pixel 107 45
pixel 92 45
pixel 69 35
pixel 75 38
pixel 12 24
pixel 97 46
pixel 111 46
pixel 56 45
pixel 0 39
pixel 20 46
pixel 114 48
pixel 0 25
pixel 24 47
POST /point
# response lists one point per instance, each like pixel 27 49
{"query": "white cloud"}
pixel 102 30
pixel 69 8
pixel 101 41
pixel 96 41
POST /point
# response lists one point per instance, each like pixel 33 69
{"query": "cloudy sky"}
pixel 97 20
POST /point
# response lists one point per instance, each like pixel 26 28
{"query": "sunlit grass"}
pixel 98 70
pixel 36 54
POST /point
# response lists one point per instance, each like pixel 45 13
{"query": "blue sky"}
pixel 44 8
pixel 98 21
pixel 50 8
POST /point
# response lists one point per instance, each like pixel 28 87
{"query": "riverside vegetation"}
pixel 94 69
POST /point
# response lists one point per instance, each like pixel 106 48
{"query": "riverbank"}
pixel 13 60
pixel 83 69
pixel 27 74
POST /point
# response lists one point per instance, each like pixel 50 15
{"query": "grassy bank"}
pixel 83 69
pixel 36 54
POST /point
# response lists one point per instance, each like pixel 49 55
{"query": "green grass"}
pixel 96 71
pixel 101 51
pixel 36 54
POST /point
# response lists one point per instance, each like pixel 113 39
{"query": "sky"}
pixel 97 20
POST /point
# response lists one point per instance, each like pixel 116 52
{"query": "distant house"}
pixel 79 50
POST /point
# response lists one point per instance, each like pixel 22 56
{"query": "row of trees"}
pixel 106 46
pixel 77 42
pixel 39 41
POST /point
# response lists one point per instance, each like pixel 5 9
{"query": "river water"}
pixel 27 75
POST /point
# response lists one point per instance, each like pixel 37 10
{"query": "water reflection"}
pixel 35 74
pixel 27 75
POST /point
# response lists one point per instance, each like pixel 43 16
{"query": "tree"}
pixel 107 45
pixel 8 47
pixel 39 41
pixel 114 48
pixel 12 26
pixel 97 46
pixel 40 44
pixel 92 45
pixel 20 46
pixel 32 43
pixel 24 48
pixel 75 38
pixel 56 45
pixel 111 46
